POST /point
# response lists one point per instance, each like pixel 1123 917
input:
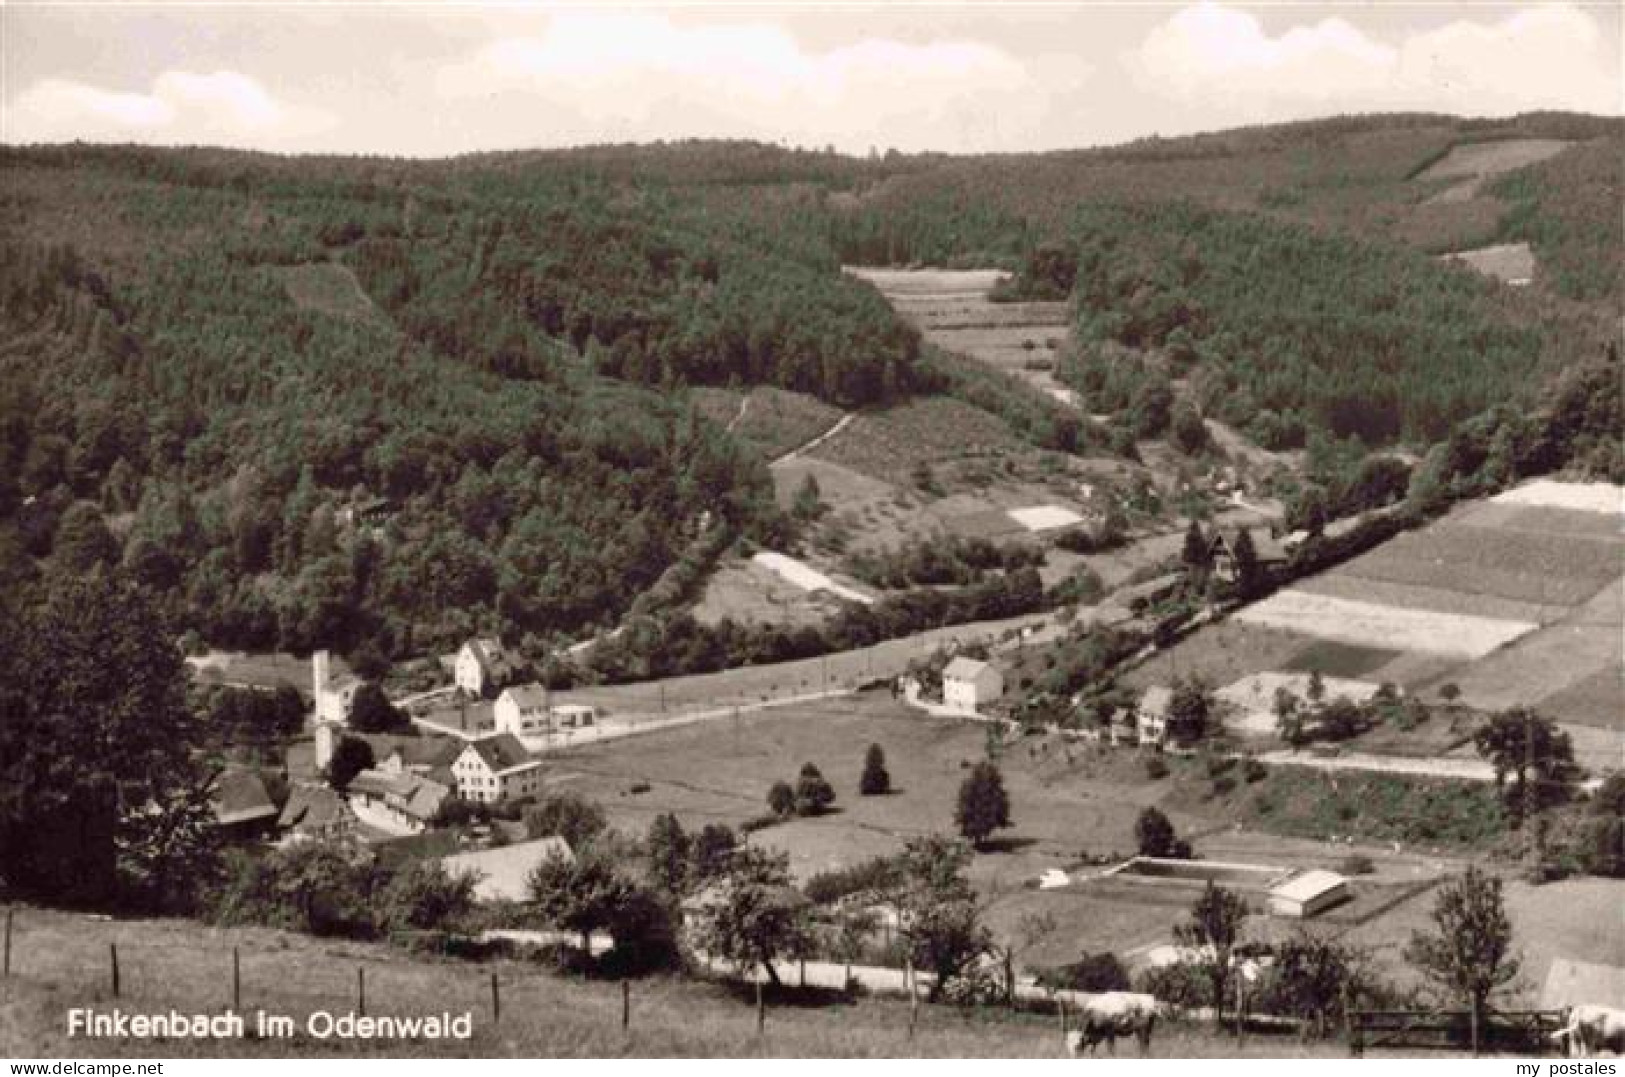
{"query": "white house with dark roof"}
pixel 523 710
pixel 482 666
pixel 968 683
pixel 1151 715
pixel 496 768
pixel 398 801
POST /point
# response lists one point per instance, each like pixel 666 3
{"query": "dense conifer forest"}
pixel 346 401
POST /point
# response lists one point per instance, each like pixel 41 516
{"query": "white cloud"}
pixel 593 76
pixel 1213 56
pixel 222 108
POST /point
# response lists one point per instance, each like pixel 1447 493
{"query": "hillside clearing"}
pixel 1602 497
pixel 1373 625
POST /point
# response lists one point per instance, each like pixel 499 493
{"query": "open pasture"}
pixel 1493 157
pixel 1605 498
pixel 771 421
pixel 748 593
pixel 1346 584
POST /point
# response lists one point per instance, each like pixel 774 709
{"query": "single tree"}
pixel 1197 553
pixel 814 794
pixel 753 917
pixel 1534 753
pixel 1289 717
pixel 668 850
pixel 1212 933
pixel 1189 710
pixel 781 799
pixel 713 847
pixel 875 780
pixel 1468 954
pixel 1308 980
pixel 372 712
pixel 1249 572
pixel 1154 835
pixel 983 805
pixel 351 756
pixel 570 816
pixel 940 921
pixel 809 501
pixel 581 893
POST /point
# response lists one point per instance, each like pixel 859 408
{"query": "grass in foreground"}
pixel 61 961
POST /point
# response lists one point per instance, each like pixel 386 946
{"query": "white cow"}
pixel 1110 1015
pixel 1591 1029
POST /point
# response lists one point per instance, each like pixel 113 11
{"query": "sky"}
pixel 433 80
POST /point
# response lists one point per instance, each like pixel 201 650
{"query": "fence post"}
pixel 9 912
pixel 1472 1026
pixel 761 1010
pixel 1350 1032
pixel 496 1001
pixel 1060 1008
pixel 236 980
pixel 804 972
pixel 626 1005
pixel 1241 1010
pixel 913 995
pixel 361 990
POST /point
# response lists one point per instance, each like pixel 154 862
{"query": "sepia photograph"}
pixel 588 531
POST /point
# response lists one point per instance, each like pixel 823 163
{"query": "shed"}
pixel 1308 893
pixel 1573 983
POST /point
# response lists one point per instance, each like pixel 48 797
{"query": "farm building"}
pixel 1574 983
pixel 242 808
pixel 316 811
pixel 501 873
pixel 1308 894
pixel 496 768
pixel 429 756
pixel 397 801
pixel 967 683
pixel 522 710
pixel 482 666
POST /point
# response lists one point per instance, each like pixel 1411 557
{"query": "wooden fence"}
pixel 1519 1031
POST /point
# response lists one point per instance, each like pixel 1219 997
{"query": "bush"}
pixel 1356 864
pixel 878 873
pixel 1254 771
pixel 1092 972
pixel 1223 784
pixel 1156 769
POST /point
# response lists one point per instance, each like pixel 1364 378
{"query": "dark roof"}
pixel 501 751
pixel 240 797
pixel 428 751
pixel 312 806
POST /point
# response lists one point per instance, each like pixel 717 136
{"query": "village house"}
pixel 502 873
pixel 482 667
pixel 400 801
pixel 317 812
pixel 243 809
pixel 968 683
pixel 430 757
pixel 1151 716
pixel 496 768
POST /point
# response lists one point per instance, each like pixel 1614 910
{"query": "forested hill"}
pixel 345 400
pixel 320 402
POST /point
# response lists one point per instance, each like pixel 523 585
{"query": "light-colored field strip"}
pixel 1045 517
pixel 1373 625
pixel 1541 520
pixel 1349 583
pixel 1251 700
pixel 806 577
pixel 1584 496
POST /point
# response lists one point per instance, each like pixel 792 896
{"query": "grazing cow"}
pixel 1592 1029
pixel 1108 1016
